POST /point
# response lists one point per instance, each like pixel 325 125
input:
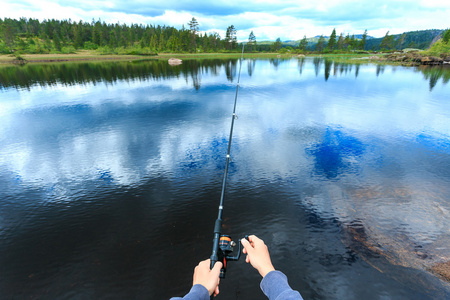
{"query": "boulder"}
pixel 431 60
pixel 175 61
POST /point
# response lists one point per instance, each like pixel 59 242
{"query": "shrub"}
pixel 446 36
pixel 90 46
pixel 68 50
pixel 438 48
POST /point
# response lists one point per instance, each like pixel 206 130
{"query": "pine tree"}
pixel 320 44
pixel 47 42
pixel 252 41
pixel 8 34
pixel 387 42
pixel 303 44
pixel 193 27
pixel 332 41
pixel 277 45
pixel 446 36
pixel 162 43
pixel 353 42
pixel 56 40
pixel 400 41
pixel 97 33
pixel 340 45
pixel 78 37
pixel 362 42
pixel 112 40
pixel 230 37
pixel 153 42
pixel 347 42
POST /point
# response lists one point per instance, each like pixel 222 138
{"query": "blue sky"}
pixel 268 19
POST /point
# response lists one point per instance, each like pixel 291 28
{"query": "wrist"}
pixel 263 272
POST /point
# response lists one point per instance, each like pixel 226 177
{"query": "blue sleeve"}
pixel 275 286
pixel 197 292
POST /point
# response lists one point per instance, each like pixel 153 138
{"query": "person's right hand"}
pixel 257 255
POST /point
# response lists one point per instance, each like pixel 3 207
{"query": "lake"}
pixel 110 177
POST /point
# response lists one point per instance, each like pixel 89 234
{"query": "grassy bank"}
pixel 353 58
pixel 88 55
pixel 92 55
pixel 83 55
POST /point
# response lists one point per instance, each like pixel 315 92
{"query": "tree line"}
pixel 67 36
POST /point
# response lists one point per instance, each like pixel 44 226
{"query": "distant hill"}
pixel 312 41
pixel 420 39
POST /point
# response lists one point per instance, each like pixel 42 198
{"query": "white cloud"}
pixel 268 19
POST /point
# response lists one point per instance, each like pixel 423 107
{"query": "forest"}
pixel 32 36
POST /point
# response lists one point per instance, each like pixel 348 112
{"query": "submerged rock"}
pixel 442 269
pixel 392 228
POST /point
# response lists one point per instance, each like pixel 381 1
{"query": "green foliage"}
pixel 3 48
pixel 68 50
pixel 438 48
pixel 303 44
pixel 34 36
pixel 320 46
pixel 420 39
pixel 19 59
pixel 332 41
pixel 90 46
pixel 446 36
pixel 340 43
pixel 362 42
pixel 230 37
pixel 66 36
pixel 135 50
pixel 388 42
pixel 251 41
pixel 276 46
pixel 8 33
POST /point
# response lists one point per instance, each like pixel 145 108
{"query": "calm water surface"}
pixel 110 177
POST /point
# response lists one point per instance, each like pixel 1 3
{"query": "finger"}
pixel 247 259
pixel 204 263
pixel 245 243
pixel 216 292
pixel 216 269
pixel 254 239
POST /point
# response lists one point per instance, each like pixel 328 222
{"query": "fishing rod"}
pixel 223 246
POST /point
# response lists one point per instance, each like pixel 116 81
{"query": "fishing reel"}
pixel 226 246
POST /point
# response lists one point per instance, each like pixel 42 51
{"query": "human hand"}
pixel 206 277
pixel 257 254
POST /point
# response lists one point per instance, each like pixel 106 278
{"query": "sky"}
pixel 268 19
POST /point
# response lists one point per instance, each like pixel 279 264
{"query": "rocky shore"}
pixel 416 58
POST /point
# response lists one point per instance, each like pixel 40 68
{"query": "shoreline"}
pixel 9 59
pixel 91 56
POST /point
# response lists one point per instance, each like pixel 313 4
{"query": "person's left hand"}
pixel 206 277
